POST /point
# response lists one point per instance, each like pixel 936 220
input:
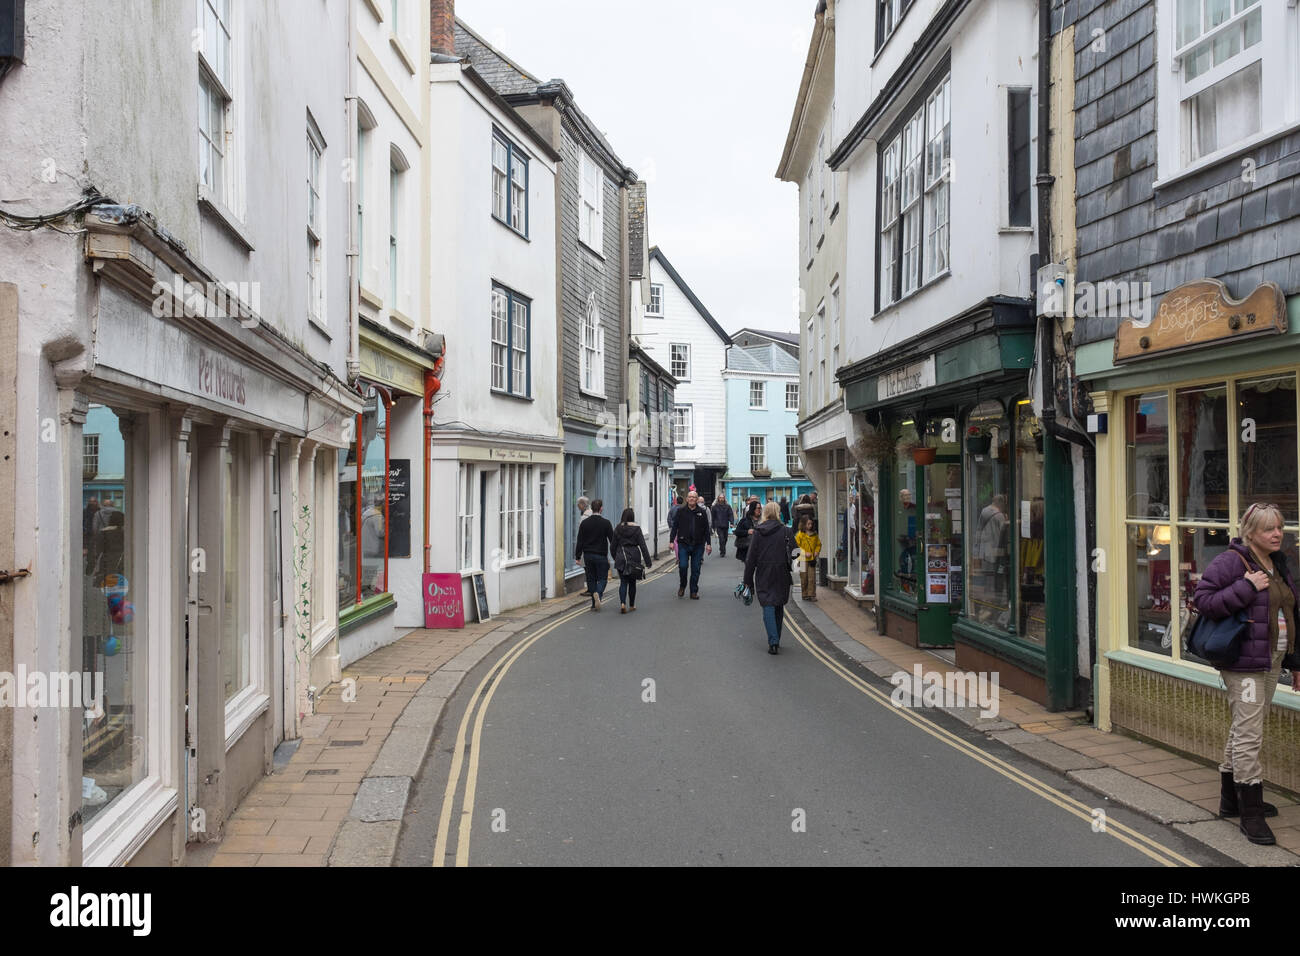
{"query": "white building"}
pixel 382 530
pixel 681 335
pixel 825 427
pixel 207 421
pixel 496 445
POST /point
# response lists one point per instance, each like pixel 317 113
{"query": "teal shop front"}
pixel 967 493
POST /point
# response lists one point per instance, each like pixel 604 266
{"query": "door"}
pixel 939 565
pixel 276 585
pixel 542 517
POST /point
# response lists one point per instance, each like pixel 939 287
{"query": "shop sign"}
pixel 509 454
pixel 905 380
pixel 1201 313
pixel 390 370
pixel 220 378
pixel 444 604
pixel 936 574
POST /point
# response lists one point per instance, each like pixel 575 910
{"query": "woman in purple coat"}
pixel 1252 575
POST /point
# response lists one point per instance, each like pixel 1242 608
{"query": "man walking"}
pixel 691 532
pixel 595 535
pixel 723 518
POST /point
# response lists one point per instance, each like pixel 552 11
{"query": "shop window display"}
pixel 1147 419
pixel 906 530
pixel 988 519
pixel 363 506
pixel 113 606
pixel 1032 567
pixel 235 640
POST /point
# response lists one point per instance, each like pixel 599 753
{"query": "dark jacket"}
pixel 1223 591
pixel 627 538
pixel 744 532
pixel 767 565
pixel 723 516
pixel 691 527
pixel 785 511
pixel 595 535
pixel 804 509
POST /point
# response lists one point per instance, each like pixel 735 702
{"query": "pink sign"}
pixel 443 603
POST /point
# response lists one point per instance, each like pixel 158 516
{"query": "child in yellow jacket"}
pixel 812 549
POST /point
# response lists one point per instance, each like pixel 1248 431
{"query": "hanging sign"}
pixel 444 604
pixel 1201 313
pixel 905 380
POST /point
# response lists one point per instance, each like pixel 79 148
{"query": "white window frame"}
pixel 915 239
pixel 673 361
pixel 821 187
pixel 656 287
pixel 591 350
pixel 834 338
pixel 516 537
pixel 683 426
pixel 758 387
pixel 253 698
pixel 218 83
pixel 821 352
pixel 757 453
pixel 467 517
pixel 315 225
pixel 793 459
pixel 591 204
pixel 1279 84
pixel 792 392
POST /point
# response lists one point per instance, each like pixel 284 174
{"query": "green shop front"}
pixel 971 493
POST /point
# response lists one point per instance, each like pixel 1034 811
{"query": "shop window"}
pixel 322 488
pixel 1222 464
pixel 363 505
pixel 516 506
pixel 1031 571
pixel 235 638
pixel 466 513
pixel 905 527
pixel 988 519
pixel 113 610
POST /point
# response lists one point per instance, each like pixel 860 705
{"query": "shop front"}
pixel 381 525
pixel 961 505
pixel 1196 421
pixel 593 468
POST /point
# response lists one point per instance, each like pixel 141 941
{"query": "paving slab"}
pixel 365 844
pixel 1227 838
pixel 381 798
pixel 1147 799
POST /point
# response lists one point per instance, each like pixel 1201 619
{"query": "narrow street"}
pixel 561 757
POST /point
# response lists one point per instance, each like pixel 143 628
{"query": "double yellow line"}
pixel 477 710
pixel 1143 844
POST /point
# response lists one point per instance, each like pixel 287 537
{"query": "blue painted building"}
pixel 761 383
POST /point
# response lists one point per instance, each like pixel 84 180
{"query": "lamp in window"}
pixel 1158 538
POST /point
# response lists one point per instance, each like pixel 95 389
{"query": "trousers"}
pixel 627 591
pixel 694 555
pixel 597 567
pixel 774 620
pixel 1249 696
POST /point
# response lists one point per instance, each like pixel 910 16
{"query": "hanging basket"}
pixel 979 444
pixel 924 456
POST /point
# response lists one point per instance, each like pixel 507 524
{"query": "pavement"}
pixel 341 798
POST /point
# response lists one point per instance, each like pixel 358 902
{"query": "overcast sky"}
pixel 696 97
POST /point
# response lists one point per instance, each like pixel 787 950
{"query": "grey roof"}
pixel 762 358
pixel 790 338
pixel 502 74
pixel 657 255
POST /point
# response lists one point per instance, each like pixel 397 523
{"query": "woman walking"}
pixel 629 549
pixel 745 529
pixel 767 570
pixel 1252 575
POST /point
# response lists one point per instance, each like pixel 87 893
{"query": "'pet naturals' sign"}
pixel 905 380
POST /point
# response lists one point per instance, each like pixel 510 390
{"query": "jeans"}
pixel 773 620
pixel 597 566
pixel 722 541
pixel 626 590
pixel 694 553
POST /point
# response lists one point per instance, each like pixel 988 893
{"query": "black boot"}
pixel 1250 798
pixel 1228 797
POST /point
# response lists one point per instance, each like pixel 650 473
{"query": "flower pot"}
pixel 979 444
pixel 924 456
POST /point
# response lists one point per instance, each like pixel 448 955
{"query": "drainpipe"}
pixel 354 240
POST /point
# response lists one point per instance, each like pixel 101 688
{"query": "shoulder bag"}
pixel 1219 642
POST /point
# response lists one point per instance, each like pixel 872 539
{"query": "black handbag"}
pixel 1219 642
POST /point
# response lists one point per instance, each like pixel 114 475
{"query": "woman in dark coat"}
pixel 745 529
pixel 767 570
pixel 629 546
pixel 1252 575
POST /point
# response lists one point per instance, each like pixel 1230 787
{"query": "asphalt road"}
pixel 671 737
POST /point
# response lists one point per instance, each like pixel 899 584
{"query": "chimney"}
pixel 442 26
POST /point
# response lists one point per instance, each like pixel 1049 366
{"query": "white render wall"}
pixel 470 250
pixel 704 392
pixel 993 47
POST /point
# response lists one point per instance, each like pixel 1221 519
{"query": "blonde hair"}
pixel 771 510
pixel 1260 518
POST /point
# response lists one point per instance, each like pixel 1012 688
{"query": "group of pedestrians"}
pixel 764 544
